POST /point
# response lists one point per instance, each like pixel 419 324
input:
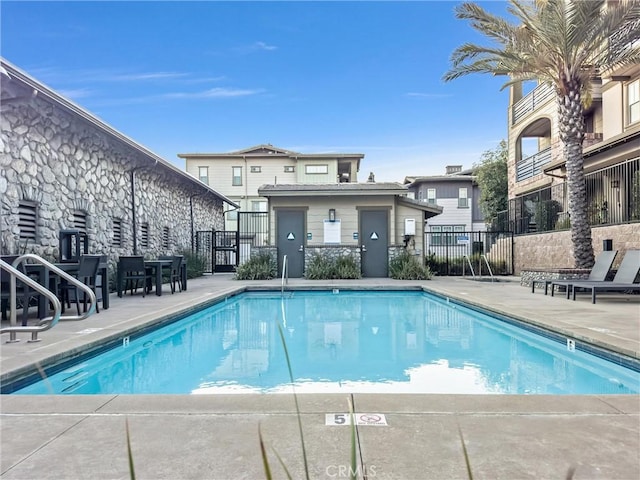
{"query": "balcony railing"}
pixel 538 96
pixel 531 166
pixel 613 197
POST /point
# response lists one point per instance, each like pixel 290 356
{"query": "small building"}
pixel 370 221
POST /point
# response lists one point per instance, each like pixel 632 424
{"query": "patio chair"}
pixel 598 272
pixel 623 281
pixel 87 274
pixel 174 276
pixel 131 269
pixel 23 293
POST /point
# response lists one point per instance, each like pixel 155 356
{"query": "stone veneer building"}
pixel 61 167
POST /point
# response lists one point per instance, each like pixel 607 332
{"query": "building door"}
pixel 291 240
pixel 374 242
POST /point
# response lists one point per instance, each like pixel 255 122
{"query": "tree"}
pixel 491 175
pixel 565 43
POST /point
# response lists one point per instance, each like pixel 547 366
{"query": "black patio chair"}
pixel 131 270
pixel 24 293
pixel 87 274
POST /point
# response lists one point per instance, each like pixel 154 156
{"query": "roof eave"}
pixel 43 91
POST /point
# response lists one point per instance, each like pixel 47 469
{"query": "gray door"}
pixel 374 242
pixel 291 240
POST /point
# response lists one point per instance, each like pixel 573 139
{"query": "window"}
pixel 316 169
pixel 144 235
pixel 633 96
pixel 258 206
pixel 203 174
pixel 116 239
pixel 232 215
pixel 165 238
pixel 256 169
pixel 431 195
pixel 289 169
pixel 463 199
pixel 27 220
pixel 236 176
pixel 80 220
pixel 446 234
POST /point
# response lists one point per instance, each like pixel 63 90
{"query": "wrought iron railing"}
pixel 613 197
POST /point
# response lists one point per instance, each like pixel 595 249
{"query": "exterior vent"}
pixel 144 235
pixel 451 169
pixel 27 220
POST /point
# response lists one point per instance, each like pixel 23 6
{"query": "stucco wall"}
pixel 63 163
pixel 553 250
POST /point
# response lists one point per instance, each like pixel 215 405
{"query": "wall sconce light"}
pixel 615 183
pixel 332 214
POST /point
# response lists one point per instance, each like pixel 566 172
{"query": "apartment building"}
pixel 240 174
pixel 458 194
pixel 537 174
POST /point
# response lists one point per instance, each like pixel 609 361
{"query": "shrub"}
pixel 346 267
pixel 322 268
pixel 406 267
pixel 258 267
pixel 196 264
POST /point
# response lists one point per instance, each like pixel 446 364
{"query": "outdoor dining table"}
pixel 158 266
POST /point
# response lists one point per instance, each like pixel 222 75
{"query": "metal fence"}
pixel 448 253
pixel 613 197
pixel 253 231
pixel 204 248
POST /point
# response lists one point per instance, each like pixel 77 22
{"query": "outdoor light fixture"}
pixel 332 214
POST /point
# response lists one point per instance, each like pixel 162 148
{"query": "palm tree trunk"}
pixel 571 125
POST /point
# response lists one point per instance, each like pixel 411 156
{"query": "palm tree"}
pixel 565 43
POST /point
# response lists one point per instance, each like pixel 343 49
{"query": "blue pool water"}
pixel 341 341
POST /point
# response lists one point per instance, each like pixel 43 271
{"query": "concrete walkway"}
pixel 216 436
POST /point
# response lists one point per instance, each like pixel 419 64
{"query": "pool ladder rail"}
pixel 48 322
pixel 473 274
pixel 285 273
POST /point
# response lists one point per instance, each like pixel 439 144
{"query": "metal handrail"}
pixel 285 273
pixel 484 257
pixel 473 274
pixel 47 322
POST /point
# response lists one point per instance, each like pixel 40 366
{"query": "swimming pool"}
pixel 341 341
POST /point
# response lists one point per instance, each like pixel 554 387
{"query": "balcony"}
pixel 537 97
pixel 532 166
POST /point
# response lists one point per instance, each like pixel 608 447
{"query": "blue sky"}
pixel 313 77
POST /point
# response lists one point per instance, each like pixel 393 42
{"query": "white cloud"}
pixel 218 92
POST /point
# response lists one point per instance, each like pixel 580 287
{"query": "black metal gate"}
pixel 204 249
pixel 225 251
pixel 253 231
pixel 449 252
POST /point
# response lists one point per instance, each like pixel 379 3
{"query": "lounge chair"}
pixel 624 280
pixel 598 272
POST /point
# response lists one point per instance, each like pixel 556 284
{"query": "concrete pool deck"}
pixel 216 437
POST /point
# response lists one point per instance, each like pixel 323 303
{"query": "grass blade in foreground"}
pixel 132 472
pixel 295 398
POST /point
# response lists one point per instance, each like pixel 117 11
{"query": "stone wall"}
pixel 63 163
pixel 553 250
